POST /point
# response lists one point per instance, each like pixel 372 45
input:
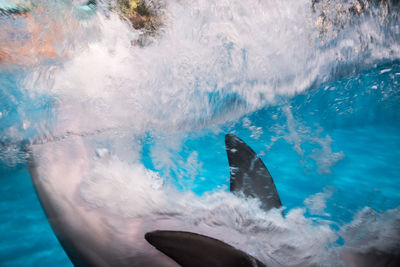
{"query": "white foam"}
pixel 211 57
pixel 210 60
pixel 317 203
pixel 372 230
pixel 130 191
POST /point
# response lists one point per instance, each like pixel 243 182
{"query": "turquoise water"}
pixel 343 137
pixel 330 141
pixel 26 237
pixel 360 121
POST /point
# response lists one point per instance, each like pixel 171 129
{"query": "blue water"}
pixel 341 138
pixel 360 119
pixel 358 114
pixel 26 238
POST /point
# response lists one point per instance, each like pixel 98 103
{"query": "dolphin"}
pixel 93 237
pixel 65 161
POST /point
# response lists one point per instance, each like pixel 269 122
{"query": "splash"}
pixel 210 64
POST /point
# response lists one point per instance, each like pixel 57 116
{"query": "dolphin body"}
pixel 90 240
pixel 84 234
pixel 56 169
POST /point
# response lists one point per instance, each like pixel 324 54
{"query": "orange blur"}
pixel 29 38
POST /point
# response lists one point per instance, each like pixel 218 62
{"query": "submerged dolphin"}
pixel 81 232
pixel 89 239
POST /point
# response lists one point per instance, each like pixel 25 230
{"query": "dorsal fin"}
pixel 194 250
pixel 249 174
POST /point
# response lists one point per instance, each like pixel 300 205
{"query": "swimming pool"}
pixel 323 116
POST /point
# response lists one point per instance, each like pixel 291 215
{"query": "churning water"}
pixel 314 90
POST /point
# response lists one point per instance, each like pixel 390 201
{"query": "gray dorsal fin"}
pixel 194 250
pixel 249 174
